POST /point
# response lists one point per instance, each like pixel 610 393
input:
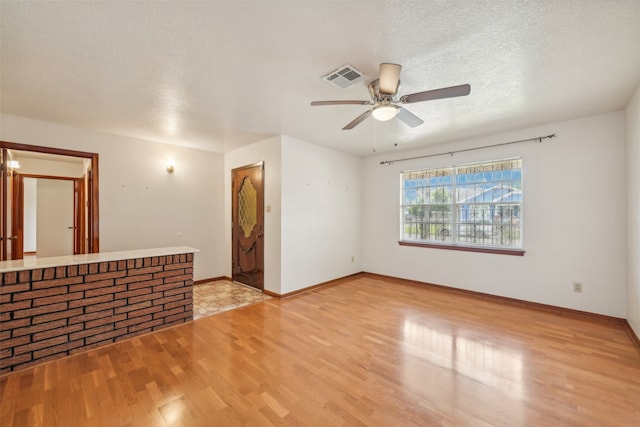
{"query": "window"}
pixel 468 206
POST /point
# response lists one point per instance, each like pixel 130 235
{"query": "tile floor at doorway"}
pixel 222 295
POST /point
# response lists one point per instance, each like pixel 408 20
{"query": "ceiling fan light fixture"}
pixel 384 112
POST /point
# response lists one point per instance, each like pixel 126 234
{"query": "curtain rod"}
pixel 451 153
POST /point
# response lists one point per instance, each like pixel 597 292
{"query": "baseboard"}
pixel 506 300
pixel 632 334
pixel 313 287
pixel 213 279
pixel 271 294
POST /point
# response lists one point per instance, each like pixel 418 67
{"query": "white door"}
pixel 54 223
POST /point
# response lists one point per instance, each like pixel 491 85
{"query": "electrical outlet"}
pixel 353 259
pixel 577 287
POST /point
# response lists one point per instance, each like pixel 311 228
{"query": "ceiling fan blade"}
pixel 447 92
pixel 314 103
pixel 389 79
pixel 409 118
pixel 355 122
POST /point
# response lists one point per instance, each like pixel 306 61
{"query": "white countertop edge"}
pixel 33 263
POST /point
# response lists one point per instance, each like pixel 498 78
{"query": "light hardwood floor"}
pixel 367 351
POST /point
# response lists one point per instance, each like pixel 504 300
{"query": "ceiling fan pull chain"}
pixel 374 136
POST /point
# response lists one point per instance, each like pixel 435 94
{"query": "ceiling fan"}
pixel 385 100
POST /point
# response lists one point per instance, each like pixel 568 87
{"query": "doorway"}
pixel 49 216
pixel 84 224
pixel 247 231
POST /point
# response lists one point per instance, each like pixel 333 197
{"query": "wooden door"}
pixel 79 216
pixel 92 210
pixel 17 215
pixel 11 215
pixel 247 233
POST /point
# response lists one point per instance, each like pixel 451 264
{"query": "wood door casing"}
pixel 92 192
pixel 79 216
pixel 17 216
pixel 4 178
pixel 247 232
pixel 93 228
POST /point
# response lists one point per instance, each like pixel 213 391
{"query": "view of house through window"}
pixel 476 204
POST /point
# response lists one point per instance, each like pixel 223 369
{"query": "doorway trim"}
pixel 79 214
pixel 93 188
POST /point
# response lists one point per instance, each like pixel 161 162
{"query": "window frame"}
pixel 455 206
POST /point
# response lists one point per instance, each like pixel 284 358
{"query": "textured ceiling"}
pixel 219 75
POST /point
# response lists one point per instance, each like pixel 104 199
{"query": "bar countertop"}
pixel 33 263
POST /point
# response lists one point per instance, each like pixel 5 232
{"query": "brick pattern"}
pixel 48 313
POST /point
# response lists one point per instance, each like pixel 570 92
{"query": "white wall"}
pixel 141 205
pixel 574 211
pixel 30 214
pixel 633 211
pixel 320 214
pixel 269 152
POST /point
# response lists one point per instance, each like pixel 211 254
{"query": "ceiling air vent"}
pixel 345 76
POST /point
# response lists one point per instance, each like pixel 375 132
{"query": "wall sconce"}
pixel 171 166
pixel 13 165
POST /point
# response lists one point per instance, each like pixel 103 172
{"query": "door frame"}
pixel 17 216
pixel 80 216
pixel 4 185
pixel 260 212
pixel 92 190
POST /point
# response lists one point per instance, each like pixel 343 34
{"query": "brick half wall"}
pixel 48 313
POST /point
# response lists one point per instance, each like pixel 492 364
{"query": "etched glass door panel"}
pixel 247 207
